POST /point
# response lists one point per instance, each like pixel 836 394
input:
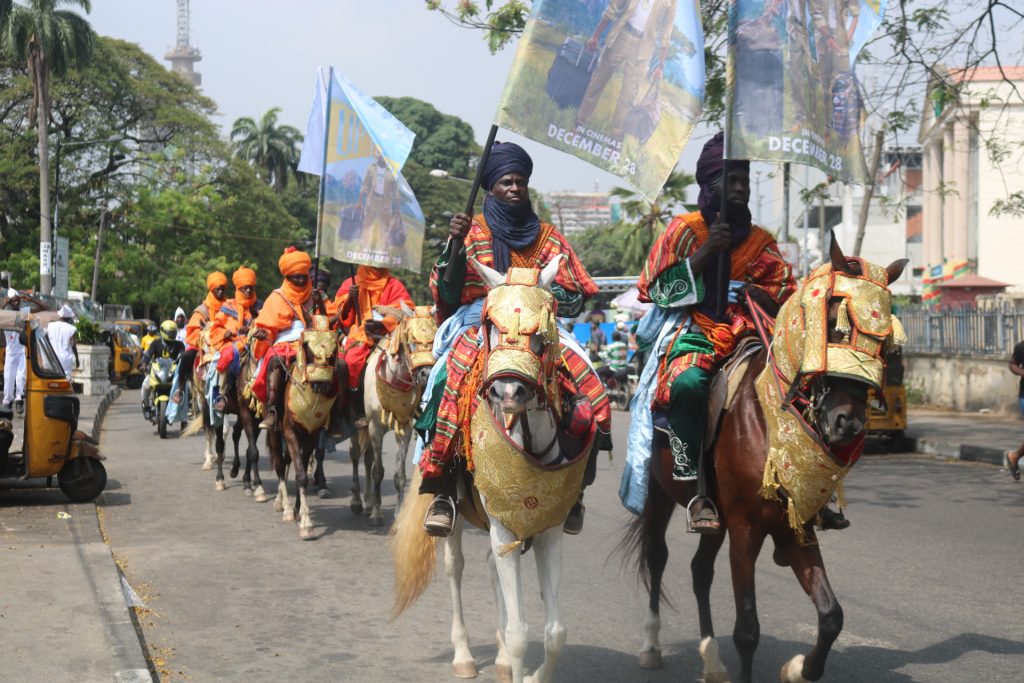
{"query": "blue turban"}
pixel 505 158
pixel 512 226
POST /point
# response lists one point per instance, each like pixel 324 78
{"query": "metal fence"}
pixel 962 330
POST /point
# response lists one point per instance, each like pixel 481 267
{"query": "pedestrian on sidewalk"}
pixel 1016 367
pixel 14 361
pixel 62 339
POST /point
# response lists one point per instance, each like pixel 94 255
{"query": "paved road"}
pixel 928 576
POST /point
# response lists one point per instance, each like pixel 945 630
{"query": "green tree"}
pixel 442 142
pixel 48 41
pixel 599 248
pixel 271 148
pixel 643 220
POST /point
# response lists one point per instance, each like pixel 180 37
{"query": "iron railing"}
pixel 962 330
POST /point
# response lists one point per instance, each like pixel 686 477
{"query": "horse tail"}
pixel 412 550
pixel 644 536
pixel 195 426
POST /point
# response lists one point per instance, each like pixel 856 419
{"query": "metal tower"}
pixel 183 56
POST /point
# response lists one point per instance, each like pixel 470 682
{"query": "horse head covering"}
pixel 512 226
pixel 799 461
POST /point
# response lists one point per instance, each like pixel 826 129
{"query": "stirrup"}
pixel 437 529
pixel 689 516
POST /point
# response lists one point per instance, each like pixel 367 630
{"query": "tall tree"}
pixel 442 141
pixel 643 220
pixel 48 41
pixel 270 148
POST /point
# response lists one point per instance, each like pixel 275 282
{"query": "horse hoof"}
pixel 356 508
pixel 234 471
pixel 246 491
pixel 208 465
pixel 219 486
pixel 288 516
pixel 503 673
pixel 377 520
pixel 464 669
pixel 305 534
pixel 650 659
pixel 324 493
pixel 278 506
pixel 792 671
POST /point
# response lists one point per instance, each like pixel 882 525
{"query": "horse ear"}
pixel 547 276
pixel 406 310
pixel 835 253
pixel 895 269
pixel 490 276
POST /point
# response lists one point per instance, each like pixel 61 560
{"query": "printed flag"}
pixel 793 93
pixel 617 83
pixel 368 213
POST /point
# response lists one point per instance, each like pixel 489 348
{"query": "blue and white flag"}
pixel 368 213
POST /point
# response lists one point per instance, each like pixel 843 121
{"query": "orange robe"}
pixel 200 320
pixel 375 288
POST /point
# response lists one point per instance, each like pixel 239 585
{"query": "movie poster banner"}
pixel 617 83
pixel 793 93
pixel 369 215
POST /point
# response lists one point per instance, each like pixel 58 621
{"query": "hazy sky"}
pixel 259 54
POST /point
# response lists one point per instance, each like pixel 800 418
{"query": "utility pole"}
pixel 104 215
pixel 869 192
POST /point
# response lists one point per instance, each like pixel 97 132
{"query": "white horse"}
pixel 513 440
pixel 396 375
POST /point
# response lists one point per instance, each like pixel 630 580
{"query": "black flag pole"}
pixel 724 262
pixel 457 247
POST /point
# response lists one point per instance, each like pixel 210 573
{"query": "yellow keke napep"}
pixel 125 353
pixel 52 444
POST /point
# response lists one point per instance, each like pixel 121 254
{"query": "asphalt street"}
pixel 928 576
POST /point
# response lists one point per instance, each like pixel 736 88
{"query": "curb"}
pixel 118 612
pixel 101 411
pixel 966 452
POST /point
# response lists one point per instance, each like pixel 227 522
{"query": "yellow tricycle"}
pixel 51 443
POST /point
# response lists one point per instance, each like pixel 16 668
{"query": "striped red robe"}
pixel 575 376
pixel 667 281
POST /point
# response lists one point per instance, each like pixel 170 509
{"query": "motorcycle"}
pixel 160 378
pixel 619 380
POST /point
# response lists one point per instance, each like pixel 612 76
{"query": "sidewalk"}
pixel 977 437
pixel 61 604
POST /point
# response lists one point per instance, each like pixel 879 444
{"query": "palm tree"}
pixel 643 220
pixel 48 41
pixel 270 148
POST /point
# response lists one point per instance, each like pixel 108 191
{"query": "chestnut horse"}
pixel 737 482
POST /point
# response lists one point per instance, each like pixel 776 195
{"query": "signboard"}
pixel 45 258
pixel 60 268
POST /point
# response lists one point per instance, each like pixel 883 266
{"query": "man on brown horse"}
pixel 356 299
pixel 202 316
pixel 278 328
pixel 507 234
pixel 681 274
pixel 229 328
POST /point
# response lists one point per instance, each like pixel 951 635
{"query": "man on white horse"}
pixel 355 300
pixel 508 233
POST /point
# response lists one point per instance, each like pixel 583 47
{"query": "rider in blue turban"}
pixel 512 225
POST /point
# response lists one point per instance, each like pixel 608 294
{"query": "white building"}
pixel 576 211
pixel 972 135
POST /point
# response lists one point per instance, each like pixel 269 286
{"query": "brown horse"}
pixel 304 402
pixel 752 508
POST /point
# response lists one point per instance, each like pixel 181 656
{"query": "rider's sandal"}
pixel 705 520
pixel 1013 466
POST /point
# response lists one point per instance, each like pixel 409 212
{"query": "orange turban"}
pixel 215 280
pixel 244 276
pixel 294 262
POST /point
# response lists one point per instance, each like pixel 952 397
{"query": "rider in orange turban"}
pixel 283 310
pixel 230 326
pixel 202 315
pixel 355 300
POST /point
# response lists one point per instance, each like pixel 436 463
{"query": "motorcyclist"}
pixel 165 346
pixel 152 334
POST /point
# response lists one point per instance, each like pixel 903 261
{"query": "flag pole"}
pixel 458 247
pixel 323 178
pixel 724 262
